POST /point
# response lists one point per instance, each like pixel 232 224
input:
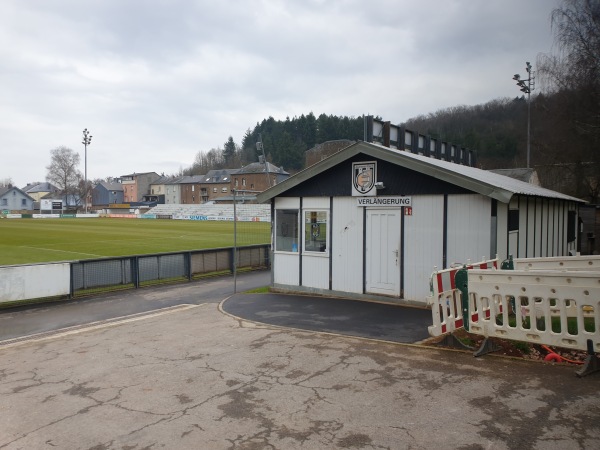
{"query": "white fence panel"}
pixel 589 263
pixel 554 308
pixel 35 281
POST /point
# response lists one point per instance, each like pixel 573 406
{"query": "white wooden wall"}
pixel 469 232
pixel 423 244
pixel 347 229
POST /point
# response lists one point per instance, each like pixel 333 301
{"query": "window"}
pixel 4 202
pixel 224 189
pixel 571 226
pixel 244 182
pixel 315 231
pixel 23 202
pixel 236 182
pixel 513 220
pixel 214 189
pixel 286 230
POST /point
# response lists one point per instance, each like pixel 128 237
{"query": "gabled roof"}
pixel 258 167
pixel 6 189
pixel 111 186
pixel 172 180
pixel 162 179
pixel 193 179
pixel 40 187
pixel 219 175
pixel 483 182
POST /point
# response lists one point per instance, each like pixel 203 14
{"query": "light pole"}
pixel 527 85
pixel 87 140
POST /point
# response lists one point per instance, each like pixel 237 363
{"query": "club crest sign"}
pixel 364 175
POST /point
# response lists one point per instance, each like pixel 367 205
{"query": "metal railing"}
pixel 75 278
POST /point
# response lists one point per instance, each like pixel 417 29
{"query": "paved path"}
pixel 189 376
pixel 349 317
pixel 192 377
pixel 27 320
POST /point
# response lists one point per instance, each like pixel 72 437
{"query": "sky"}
pixel 157 81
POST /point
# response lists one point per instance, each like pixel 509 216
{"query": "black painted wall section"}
pixel 337 181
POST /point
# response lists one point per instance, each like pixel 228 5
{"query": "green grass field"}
pixel 24 241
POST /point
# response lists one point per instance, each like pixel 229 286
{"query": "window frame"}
pixel 325 240
pixel 279 237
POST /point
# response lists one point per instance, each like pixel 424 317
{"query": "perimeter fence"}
pixel 91 276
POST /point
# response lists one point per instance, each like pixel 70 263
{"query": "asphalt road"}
pixel 334 315
pixel 28 320
pixel 191 377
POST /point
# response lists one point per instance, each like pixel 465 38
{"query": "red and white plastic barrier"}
pixel 445 300
pixel 551 307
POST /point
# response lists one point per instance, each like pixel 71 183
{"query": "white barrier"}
pixel 445 300
pixel 34 281
pixel 589 263
pixel 555 308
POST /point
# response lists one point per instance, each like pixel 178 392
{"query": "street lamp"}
pixel 526 86
pixel 87 140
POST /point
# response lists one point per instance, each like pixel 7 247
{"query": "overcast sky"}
pixel 157 81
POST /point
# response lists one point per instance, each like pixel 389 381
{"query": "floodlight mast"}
pixel 87 140
pixel 526 86
pixel 260 147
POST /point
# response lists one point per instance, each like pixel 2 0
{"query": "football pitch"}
pixel 25 241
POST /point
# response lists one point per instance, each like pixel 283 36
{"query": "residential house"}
pixel 190 189
pixel 107 193
pixel 216 183
pixel 173 190
pixel 161 188
pixel 39 190
pixel 258 176
pixel 14 199
pixel 136 185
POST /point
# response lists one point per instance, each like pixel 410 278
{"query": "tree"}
pixel 573 76
pixel 63 170
pixel 229 151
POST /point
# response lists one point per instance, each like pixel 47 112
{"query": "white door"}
pixel 383 251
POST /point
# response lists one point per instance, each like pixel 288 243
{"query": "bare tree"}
pixel 64 173
pixel 572 75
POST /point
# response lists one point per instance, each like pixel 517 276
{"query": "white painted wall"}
pixel 35 281
pixel 286 268
pixel 347 245
pixel 423 243
pixel 315 271
pixel 469 222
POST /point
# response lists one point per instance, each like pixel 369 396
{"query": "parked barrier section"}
pixel 590 263
pixel 543 307
pixel 445 300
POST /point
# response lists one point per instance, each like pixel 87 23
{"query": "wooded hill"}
pixel 565 118
pixel 565 155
